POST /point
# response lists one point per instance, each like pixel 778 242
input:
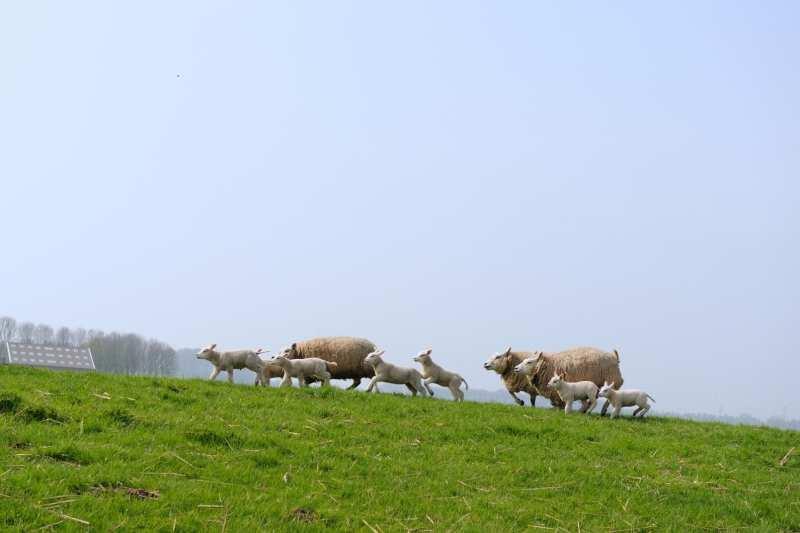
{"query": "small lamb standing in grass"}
pixel 625 398
pixel 301 369
pixel 389 373
pixel 433 373
pixel 585 391
pixel 237 360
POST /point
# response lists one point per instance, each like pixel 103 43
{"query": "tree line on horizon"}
pixel 114 352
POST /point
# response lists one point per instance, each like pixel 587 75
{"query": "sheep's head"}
pixel 605 388
pixel 374 358
pixel 499 362
pixel 291 352
pixel 424 356
pixel 528 366
pixel 555 380
pixel 207 352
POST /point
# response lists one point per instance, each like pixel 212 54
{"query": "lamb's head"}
pixel 528 366
pixel 555 380
pixel 499 362
pixel 605 388
pixel 281 360
pixel 424 356
pixel 374 358
pixel 207 353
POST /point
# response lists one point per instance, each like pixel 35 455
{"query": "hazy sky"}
pixel 461 175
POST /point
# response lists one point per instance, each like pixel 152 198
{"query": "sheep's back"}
pixel 579 364
pixel 347 352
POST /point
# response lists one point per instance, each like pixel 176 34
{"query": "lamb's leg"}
pixel 533 399
pixel 326 379
pixel 372 384
pixel 427 384
pixel 568 408
pixel 230 376
pixel 605 408
pixel 214 373
pixel 287 380
pixel 592 405
pixel 519 402
pixel 301 381
pixel 617 408
pixel 455 390
pixel 413 389
pixel 644 410
pixel 584 405
pixel 356 383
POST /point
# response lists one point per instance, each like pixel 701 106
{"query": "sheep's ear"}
pixel 294 346
pixel 428 351
pixel 212 346
pixel 508 351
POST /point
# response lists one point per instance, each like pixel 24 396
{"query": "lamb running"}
pixel 237 360
pixel 301 369
pixel 625 398
pixel 433 373
pixel 389 373
pixel 585 391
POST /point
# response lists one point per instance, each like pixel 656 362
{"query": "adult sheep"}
pixel 347 352
pixel 577 364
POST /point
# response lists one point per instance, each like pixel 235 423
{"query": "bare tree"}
pixel 79 337
pixel 25 332
pixel 8 328
pixel 43 334
pixel 63 336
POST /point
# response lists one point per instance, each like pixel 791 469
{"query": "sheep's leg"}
pixel 301 381
pixel 214 373
pixel 617 408
pixel 373 384
pixel 420 388
pixel 427 384
pixel 355 384
pixel 519 402
pixel 584 405
pixel 605 408
pixel 644 410
pixel 230 376
pixel 413 389
pixel 287 380
pixel 568 408
pixel 533 399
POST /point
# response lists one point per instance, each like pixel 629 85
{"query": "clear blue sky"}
pixel 459 175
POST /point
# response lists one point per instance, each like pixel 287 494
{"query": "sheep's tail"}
pixel 650 397
pixel 616 354
pixel 464 381
pixel 331 365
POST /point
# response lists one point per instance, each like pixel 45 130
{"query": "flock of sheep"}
pixel 580 374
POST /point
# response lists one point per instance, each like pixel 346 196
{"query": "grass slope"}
pixel 186 455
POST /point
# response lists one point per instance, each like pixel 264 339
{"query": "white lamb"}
pixel 301 369
pixel 389 373
pixel 433 373
pixel 626 398
pixel 585 391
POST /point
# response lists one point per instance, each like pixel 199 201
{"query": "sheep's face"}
pixel 374 358
pixel 207 353
pixel 555 380
pixel 604 389
pixel 424 356
pixel 526 367
pixel 499 362
pixel 291 352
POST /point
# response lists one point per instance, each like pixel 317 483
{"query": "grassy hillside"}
pixel 186 455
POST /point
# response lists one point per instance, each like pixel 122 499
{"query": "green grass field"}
pixel 103 452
